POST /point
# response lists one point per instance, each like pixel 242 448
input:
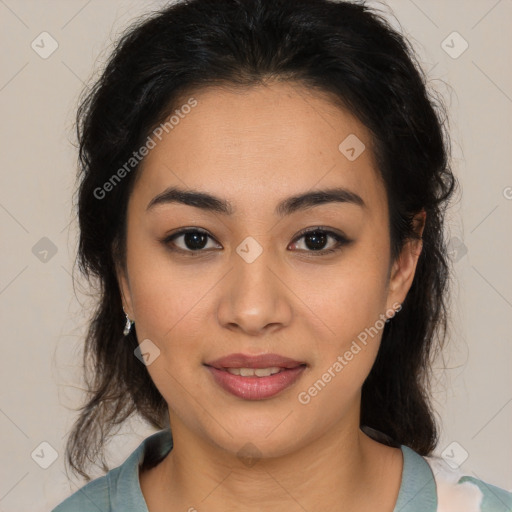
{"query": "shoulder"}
pixel 119 490
pixel 92 496
pixel 429 484
pixel 457 491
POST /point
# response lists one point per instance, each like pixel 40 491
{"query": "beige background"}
pixel 41 319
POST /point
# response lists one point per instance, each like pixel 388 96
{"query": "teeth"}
pixel 251 372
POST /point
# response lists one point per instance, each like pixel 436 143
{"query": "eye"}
pixel 315 239
pixel 194 240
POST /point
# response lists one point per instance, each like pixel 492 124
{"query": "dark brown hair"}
pixel 341 48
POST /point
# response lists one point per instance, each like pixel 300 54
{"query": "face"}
pixel 309 281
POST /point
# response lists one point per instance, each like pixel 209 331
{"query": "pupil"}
pixel 318 240
pixel 195 240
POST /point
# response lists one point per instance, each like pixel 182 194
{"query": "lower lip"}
pixel 256 388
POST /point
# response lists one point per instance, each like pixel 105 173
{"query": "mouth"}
pixel 255 377
pixel 254 372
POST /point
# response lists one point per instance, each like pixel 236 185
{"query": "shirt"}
pixel 428 485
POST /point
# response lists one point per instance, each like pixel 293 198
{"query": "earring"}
pixel 128 325
pixel 395 312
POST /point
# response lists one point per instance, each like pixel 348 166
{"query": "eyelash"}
pixel 341 241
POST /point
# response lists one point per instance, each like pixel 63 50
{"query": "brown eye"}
pixel 316 239
pixel 193 240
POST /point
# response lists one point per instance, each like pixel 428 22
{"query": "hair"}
pixel 344 49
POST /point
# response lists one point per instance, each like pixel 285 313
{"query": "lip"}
pixel 255 388
pixel 248 361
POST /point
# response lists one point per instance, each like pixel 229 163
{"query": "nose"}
pixel 255 298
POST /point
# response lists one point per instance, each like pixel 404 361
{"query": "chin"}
pixel 265 439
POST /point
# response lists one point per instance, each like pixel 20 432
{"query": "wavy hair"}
pixel 341 48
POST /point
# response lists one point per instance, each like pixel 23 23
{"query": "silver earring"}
pixel 395 312
pixel 128 325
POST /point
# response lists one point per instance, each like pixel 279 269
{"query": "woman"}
pixel 262 196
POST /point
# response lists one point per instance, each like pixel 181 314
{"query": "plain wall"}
pixel 43 324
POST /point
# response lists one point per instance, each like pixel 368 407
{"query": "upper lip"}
pixel 248 361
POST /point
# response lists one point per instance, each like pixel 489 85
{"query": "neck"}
pixel 197 475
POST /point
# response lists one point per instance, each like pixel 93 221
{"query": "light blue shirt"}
pixel 427 483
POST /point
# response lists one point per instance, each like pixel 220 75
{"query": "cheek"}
pixel 343 359
pixel 348 296
pixel 165 295
pixel 350 302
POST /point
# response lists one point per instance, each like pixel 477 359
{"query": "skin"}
pixel 254 148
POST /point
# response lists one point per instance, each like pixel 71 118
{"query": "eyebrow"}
pixel 288 206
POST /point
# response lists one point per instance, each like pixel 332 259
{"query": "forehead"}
pixel 258 144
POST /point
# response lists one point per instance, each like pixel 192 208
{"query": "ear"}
pixel 404 268
pixel 124 288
